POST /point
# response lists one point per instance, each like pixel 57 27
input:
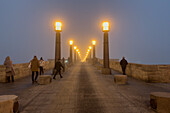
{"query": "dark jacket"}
pixel 58 66
pixel 123 62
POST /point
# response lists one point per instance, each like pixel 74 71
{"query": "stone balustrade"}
pixel 22 70
pixel 148 73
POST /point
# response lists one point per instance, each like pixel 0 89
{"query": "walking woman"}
pixel 9 69
pixel 34 68
pixel 42 63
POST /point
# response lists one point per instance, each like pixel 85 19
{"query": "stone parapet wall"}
pixel 22 70
pixel 148 73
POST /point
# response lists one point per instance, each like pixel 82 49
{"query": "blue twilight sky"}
pixel 140 29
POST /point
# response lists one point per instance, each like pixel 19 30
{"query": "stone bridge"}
pixel 83 89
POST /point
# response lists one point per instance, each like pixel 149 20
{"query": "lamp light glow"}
pixel 58 26
pixel 75 47
pixel 71 42
pixel 106 26
pixel 90 47
pixel 94 42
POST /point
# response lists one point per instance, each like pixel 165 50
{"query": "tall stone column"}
pixel 106 68
pixel 71 56
pixel 94 55
pixel 58 47
pixel 75 56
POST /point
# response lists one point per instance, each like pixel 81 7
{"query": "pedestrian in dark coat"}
pixel 123 64
pixel 57 69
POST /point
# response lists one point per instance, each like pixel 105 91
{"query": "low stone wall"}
pixel 148 73
pixel 22 70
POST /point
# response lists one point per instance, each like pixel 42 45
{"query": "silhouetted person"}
pixel 42 63
pixel 34 68
pixel 57 68
pixel 123 64
pixel 9 69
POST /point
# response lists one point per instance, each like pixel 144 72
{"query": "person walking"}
pixel 57 68
pixel 42 63
pixel 34 68
pixel 123 64
pixel 9 69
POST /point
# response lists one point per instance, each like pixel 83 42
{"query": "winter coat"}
pixel 123 62
pixel 42 63
pixel 58 66
pixel 9 67
pixel 35 64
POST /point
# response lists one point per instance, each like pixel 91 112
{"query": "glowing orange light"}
pixel 75 47
pixel 90 47
pixel 71 42
pixel 94 42
pixel 106 26
pixel 58 26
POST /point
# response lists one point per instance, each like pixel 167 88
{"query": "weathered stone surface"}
pixel 99 67
pixel 106 71
pixel 120 79
pixel 147 73
pixel 44 79
pixel 9 104
pixel 160 101
pixel 22 70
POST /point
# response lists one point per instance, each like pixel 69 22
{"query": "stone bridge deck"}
pixel 83 90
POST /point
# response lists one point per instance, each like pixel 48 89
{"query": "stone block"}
pixel 99 67
pixel 44 79
pixel 106 71
pixel 160 101
pixel 9 104
pixel 120 79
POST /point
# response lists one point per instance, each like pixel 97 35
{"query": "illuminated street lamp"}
pixel 106 68
pixel 94 51
pixel 58 29
pixel 75 54
pixel 71 55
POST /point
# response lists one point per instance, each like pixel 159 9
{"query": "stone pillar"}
pixel 75 56
pixel 71 56
pixel 58 47
pixel 106 68
pixel 94 55
pixel 90 55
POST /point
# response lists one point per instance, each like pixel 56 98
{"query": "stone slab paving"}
pixel 83 89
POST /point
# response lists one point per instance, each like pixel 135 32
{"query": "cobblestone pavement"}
pixel 83 89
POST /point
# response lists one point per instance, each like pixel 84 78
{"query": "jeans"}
pixel 8 78
pixel 57 71
pixel 41 70
pixel 35 76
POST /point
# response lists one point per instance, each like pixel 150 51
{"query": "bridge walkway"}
pixel 83 89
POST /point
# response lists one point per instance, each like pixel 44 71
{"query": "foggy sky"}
pixel 140 29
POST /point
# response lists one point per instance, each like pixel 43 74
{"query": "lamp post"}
pixel 90 52
pixel 77 58
pixel 106 68
pixel 71 54
pixel 94 51
pixel 75 54
pixel 58 29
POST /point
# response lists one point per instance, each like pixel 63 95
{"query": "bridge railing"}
pixel 148 73
pixel 22 70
